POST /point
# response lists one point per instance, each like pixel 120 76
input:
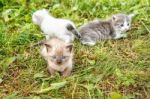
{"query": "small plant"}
pixel 115 69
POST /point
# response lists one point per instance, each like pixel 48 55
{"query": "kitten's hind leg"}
pixel 88 41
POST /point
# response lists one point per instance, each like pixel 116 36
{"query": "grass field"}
pixel 113 69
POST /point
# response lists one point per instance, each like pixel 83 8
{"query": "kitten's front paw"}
pixel 124 35
pixel 51 71
pixel 67 72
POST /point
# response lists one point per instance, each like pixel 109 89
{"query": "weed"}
pixel 113 69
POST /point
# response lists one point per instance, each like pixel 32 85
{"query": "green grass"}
pixel 113 69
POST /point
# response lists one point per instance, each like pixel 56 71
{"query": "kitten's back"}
pixel 98 29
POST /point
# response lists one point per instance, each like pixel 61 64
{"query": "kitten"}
pixel 58 55
pixel 113 28
pixel 55 27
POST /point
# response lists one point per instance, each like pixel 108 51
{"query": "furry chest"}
pixel 58 68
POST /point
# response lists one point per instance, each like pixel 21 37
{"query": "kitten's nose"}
pixel 59 61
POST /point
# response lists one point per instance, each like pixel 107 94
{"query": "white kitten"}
pixel 55 27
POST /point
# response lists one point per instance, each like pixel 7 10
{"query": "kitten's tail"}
pixel 73 30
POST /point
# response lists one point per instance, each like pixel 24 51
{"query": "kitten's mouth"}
pixel 59 63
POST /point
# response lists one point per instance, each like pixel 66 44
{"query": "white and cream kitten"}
pixel 113 28
pixel 55 27
pixel 59 56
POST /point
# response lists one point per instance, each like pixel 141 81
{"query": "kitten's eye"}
pixel 64 57
pixel 121 25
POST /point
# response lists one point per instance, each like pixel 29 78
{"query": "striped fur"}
pixel 101 30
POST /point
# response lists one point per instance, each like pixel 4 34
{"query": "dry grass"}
pixel 113 69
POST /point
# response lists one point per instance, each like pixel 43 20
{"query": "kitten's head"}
pixel 38 16
pixel 122 22
pixel 58 51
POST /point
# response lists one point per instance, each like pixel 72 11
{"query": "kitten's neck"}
pixel 114 30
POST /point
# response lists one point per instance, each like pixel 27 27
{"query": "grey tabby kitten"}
pixel 113 28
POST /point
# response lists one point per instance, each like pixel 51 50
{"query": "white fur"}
pixel 52 27
pixel 60 68
pixel 121 31
pixel 120 35
pixel 90 43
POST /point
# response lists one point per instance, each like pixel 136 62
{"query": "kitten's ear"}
pixel 48 46
pixel 36 19
pixel 69 47
pixel 131 15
